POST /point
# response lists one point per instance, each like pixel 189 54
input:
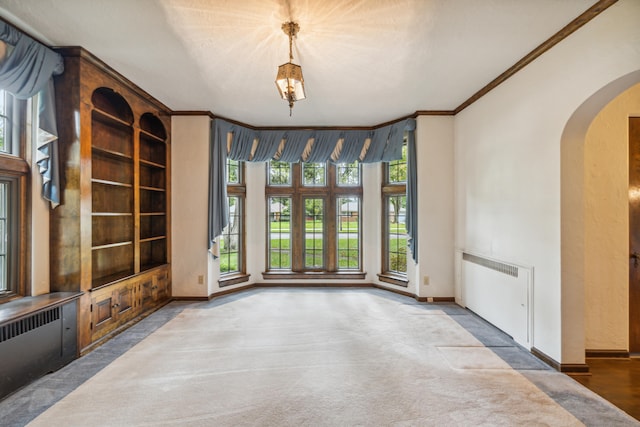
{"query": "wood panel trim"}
pixel 434 113
pixel 27 306
pixel 442 299
pixel 274 275
pixel 233 279
pixel 546 359
pixel 190 298
pixel 393 279
pixel 123 327
pixel 315 285
pixel 569 368
pixel 565 32
pixel 606 354
pixel 574 368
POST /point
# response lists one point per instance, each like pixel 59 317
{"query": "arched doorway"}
pixel 575 219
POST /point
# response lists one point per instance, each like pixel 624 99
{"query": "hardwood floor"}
pixel 617 380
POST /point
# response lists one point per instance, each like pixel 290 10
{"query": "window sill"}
pixel 394 279
pixel 286 275
pixel 233 279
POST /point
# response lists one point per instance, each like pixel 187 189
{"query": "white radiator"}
pixel 499 292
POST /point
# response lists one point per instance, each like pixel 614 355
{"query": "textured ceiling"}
pixel 364 61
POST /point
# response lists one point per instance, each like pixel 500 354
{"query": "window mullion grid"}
pixel 389 191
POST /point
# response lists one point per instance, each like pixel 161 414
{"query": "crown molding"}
pixel 565 32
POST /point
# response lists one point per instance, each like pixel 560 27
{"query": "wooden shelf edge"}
pixel 152 239
pixel 153 164
pixel 112 245
pixel 115 119
pixel 158 189
pixel 111 213
pixel 117 154
pixel 152 136
pixel 113 183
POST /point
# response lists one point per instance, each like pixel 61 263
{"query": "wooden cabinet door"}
pixel 111 307
pixel 125 302
pixel 146 293
pixel 162 286
pixel 103 313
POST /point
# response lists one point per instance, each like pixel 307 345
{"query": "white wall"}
pixel 189 205
pixel 606 183
pixel 39 219
pixel 508 164
pixel 434 147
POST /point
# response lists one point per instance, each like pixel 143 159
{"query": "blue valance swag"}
pixel 237 142
pixel 27 69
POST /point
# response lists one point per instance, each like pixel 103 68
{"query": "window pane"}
pixel 279 173
pixel 233 172
pixel 396 234
pixel 348 173
pixel 231 242
pixel 5 121
pixel 279 232
pixel 4 236
pixel 314 174
pixel 348 233
pixel 397 169
pixel 313 233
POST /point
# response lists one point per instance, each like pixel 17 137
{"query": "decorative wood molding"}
pixel 78 51
pixel 316 285
pixel 24 307
pixel 565 32
pixel 193 113
pixel 442 299
pixel 434 113
pixel 546 359
pixel 233 279
pixel 315 276
pixel 606 354
pixel 393 280
pixel 574 368
pixel 190 298
pixel 567 368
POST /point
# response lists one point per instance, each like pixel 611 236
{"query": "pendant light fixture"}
pixel 289 80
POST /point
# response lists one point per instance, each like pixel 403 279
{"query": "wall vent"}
pixel 27 324
pixel 498 266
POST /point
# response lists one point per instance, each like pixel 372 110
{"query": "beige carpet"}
pixel 308 358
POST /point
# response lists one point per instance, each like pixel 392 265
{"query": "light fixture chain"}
pixel 290 42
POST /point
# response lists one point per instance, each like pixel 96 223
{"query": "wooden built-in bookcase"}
pixel 110 235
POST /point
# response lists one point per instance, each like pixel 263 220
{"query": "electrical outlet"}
pixel 425 280
pixel 201 280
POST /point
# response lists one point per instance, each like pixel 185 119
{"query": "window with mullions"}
pixel 279 173
pixel 13 193
pixel 279 230
pixel 230 244
pixel 314 233
pixel 348 233
pixel 396 238
pixel 314 174
pixel 231 251
pixel 314 221
pixel 9 134
pixel 397 169
pixel 348 173
pixel 394 204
